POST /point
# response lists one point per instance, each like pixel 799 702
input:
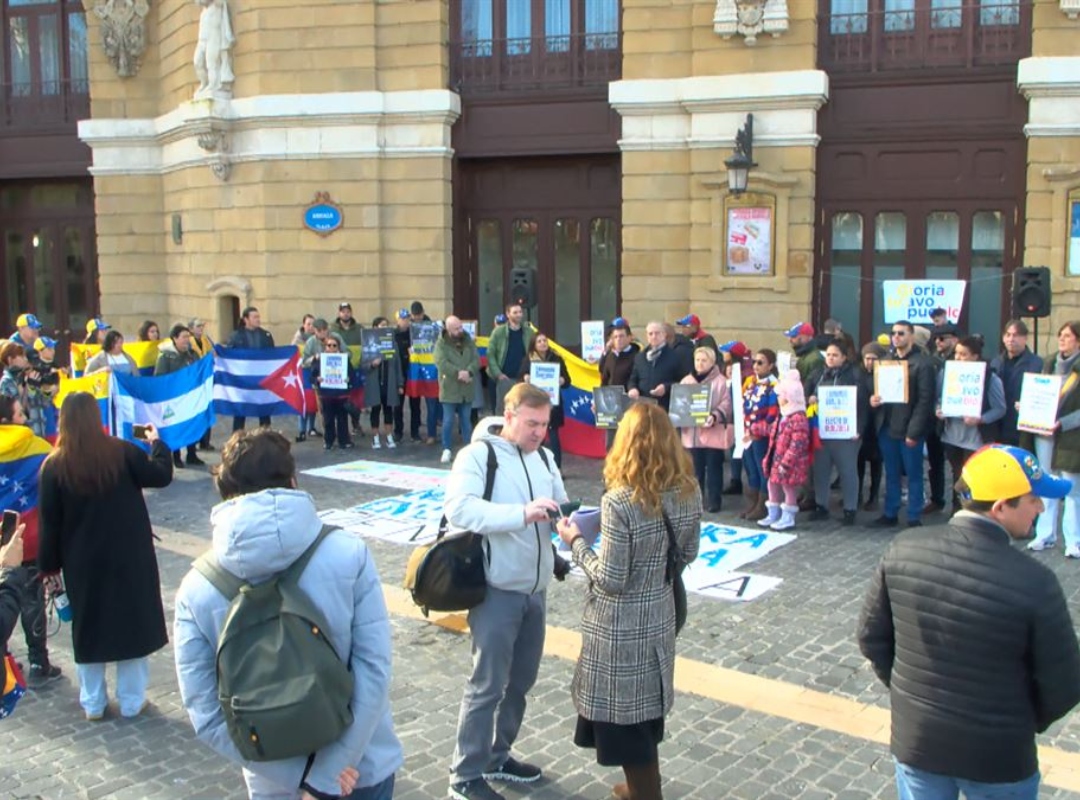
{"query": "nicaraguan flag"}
pixel 180 404
pixel 239 376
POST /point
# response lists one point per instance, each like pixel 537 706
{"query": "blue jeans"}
pixel 462 410
pixel 259 788
pixel 305 422
pixel 900 460
pixel 753 455
pixel 132 678
pixel 917 784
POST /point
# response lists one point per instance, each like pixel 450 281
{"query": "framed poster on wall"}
pixel 1072 255
pixel 749 235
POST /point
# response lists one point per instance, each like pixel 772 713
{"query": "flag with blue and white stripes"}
pixel 180 405
pixel 239 376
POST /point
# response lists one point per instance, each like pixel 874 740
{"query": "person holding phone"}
pixel 95 529
pixel 12 587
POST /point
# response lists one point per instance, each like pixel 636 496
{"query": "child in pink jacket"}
pixel 787 461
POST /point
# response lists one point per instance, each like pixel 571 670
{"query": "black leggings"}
pixel 387 416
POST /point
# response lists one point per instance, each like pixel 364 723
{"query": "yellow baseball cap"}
pixel 1002 472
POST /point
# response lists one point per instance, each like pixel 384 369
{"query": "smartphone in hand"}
pixel 139 432
pixel 8 526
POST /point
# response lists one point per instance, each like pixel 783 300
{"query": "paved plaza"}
pixel 774 700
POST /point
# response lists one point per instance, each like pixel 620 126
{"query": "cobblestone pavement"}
pixel 800 633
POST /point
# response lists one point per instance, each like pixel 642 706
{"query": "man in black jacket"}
pixel 250 336
pixel 655 368
pixel 973 638
pixel 904 428
pixel 1014 362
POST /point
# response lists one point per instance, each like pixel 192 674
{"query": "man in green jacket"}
pixel 351 332
pixel 506 350
pixel 458 363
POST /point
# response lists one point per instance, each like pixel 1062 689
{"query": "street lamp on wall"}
pixel 742 160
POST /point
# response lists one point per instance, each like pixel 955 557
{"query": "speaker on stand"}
pixel 1031 295
pixel 523 289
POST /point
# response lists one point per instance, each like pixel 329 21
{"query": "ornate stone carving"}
pixel 1071 8
pixel 750 18
pixel 213 60
pixel 217 142
pixel 123 33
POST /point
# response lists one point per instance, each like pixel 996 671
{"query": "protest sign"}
pixel 914 300
pixel 738 414
pixel 962 389
pixel 334 370
pixel 838 412
pixel 690 405
pixel 545 375
pixel 469 326
pixel 1039 396
pixel 891 381
pixel 611 403
pixel 376 343
pixel 592 341
pixel 785 361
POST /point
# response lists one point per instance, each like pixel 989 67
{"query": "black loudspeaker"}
pixel 523 286
pixel 1031 292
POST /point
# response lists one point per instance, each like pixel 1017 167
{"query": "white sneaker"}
pixel 375 443
pixel 445 457
pixel 1042 544
pixel 1072 551
pixel 390 443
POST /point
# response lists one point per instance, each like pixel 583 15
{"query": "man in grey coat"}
pixel 507 629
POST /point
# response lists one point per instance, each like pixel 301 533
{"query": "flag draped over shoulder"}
pixel 97 385
pixel 180 404
pixel 144 353
pixel 21 456
pixel 580 435
pixel 243 385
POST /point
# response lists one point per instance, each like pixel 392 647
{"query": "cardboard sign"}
pixel 891 381
pixel 838 412
pixel 1039 396
pixel 962 388
pixel 334 370
pixel 691 404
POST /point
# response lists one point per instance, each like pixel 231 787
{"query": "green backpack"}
pixel 282 687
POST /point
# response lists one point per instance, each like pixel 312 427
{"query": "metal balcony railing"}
pixel 42 106
pixel 572 61
pixel 926 34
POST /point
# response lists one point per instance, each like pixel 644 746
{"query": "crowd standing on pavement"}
pixel 964 715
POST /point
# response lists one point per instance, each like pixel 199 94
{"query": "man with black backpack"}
pixel 289 677
pixel 507 628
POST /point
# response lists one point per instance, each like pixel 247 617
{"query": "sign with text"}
pixel 334 370
pixel 1039 396
pixel 376 343
pixel 914 300
pixel 690 405
pixel 749 241
pixel 891 381
pixel 592 340
pixel 838 412
pixel 611 403
pixel 545 375
pixel 962 389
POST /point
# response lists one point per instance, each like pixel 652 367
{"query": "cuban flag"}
pixel 180 405
pixel 260 383
pixel 21 455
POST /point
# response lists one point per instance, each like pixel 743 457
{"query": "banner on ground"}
pixel 914 300
pixel 383 473
pixel 180 404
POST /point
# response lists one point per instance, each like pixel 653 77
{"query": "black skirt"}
pixel 621 745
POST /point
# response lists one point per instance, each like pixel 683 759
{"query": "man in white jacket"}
pixel 508 627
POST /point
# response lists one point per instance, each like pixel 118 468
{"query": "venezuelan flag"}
pixel 21 455
pixel 580 435
pixel 144 353
pixel 97 385
pixel 423 374
pixel 814 421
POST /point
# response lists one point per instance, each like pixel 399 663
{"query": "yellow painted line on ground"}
pixel 775 698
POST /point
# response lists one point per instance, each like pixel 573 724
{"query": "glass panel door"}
pixel 525 254
pixel 567 330
pixel 603 268
pixel 489 263
pixel 845 277
pixel 942 245
pixel 890 250
pixel 987 275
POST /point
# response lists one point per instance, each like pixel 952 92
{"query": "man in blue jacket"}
pixel 265 524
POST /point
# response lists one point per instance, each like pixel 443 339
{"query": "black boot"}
pixel 735 487
pixel 177 461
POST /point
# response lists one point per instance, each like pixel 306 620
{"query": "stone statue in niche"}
pixel 213 60
pixel 123 33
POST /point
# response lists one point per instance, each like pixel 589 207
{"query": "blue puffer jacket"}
pixel 255 537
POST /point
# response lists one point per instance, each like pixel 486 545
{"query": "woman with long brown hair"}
pixel 623 685
pixel 95 529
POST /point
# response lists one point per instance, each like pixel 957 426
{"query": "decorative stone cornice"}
pixel 123 33
pixel 750 18
pixel 1052 87
pixel 221 133
pixel 1071 8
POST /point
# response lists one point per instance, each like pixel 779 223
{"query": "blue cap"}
pixel 620 322
pixel 44 343
pixel 1002 472
pixel 799 329
pixel 403 313
pixel 28 321
pixel 689 319
pixel 500 319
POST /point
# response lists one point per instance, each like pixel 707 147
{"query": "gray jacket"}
pixel 255 537
pixel 519 556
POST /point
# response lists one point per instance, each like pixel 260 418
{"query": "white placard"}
pixel 914 300
pixel 838 412
pixel 470 327
pixel 962 389
pixel 592 341
pixel 334 370
pixel 1039 396
pixel 738 418
pixel 890 381
pixel 545 375
pixel 785 361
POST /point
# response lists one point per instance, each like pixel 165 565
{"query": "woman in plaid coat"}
pixel 623 685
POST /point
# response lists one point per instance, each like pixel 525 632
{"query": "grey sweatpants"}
pixel 507 643
pixel 845 454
